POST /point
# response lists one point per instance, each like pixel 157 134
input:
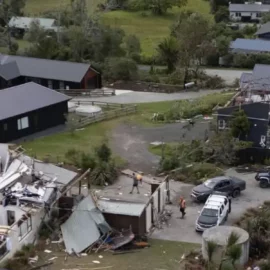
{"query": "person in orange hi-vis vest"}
pixel 136 179
pixel 182 204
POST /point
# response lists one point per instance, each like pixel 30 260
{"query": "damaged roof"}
pixel 27 97
pixel 82 228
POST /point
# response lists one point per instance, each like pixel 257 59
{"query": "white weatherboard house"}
pixel 248 12
pixel 28 188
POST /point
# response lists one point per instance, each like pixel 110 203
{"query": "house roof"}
pixel 13 66
pixel 245 79
pixel 250 45
pixel 265 28
pixel 120 207
pixel 25 22
pixel 27 97
pixel 249 8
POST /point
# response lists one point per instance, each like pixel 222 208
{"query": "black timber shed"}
pixel 30 108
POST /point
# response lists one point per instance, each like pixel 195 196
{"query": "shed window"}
pixel 238 14
pixel 222 124
pixel 61 85
pixel 50 84
pixel 23 123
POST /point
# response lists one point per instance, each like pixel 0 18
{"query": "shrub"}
pixel 213 82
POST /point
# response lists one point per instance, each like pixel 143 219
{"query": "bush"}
pixel 120 69
pixel 212 82
pixel 177 77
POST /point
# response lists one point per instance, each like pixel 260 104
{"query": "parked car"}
pixel 263 177
pixel 214 213
pixel 229 184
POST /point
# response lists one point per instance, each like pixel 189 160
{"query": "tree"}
pixel 216 4
pixel 239 124
pixel 120 69
pixel 222 14
pixel 211 249
pixel 79 12
pixel 132 46
pixel 265 17
pixel 160 7
pixel 103 152
pixel 8 9
pixel 222 45
pixel 194 44
pixel 168 52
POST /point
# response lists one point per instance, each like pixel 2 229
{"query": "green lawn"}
pixel 149 29
pixel 162 255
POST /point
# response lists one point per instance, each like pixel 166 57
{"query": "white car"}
pixel 214 213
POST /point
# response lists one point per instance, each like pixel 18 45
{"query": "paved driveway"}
pixel 184 230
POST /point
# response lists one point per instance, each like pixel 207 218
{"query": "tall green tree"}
pixel 8 9
pixel 168 52
pixel 132 46
pixel 239 124
pixel 222 14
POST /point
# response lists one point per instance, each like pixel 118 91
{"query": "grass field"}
pixel 161 255
pixel 55 146
pixel 149 29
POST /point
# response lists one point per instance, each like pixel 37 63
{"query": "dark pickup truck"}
pixel 228 184
pixel 264 178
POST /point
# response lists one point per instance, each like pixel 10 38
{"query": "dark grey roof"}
pixel 9 71
pixel 250 45
pixel 27 97
pixel 249 8
pixel 265 28
pixel 43 68
pixel 261 77
pixel 245 79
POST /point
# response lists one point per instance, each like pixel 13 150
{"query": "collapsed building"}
pixel 28 188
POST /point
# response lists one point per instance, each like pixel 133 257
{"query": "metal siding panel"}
pixel 148 218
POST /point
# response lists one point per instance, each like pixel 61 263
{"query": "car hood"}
pixel 202 189
pixel 263 174
pixel 207 220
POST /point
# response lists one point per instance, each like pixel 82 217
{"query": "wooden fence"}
pixel 107 115
pixel 101 104
pixel 88 92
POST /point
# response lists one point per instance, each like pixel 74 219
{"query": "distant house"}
pixel 247 12
pixel 250 46
pixel 258 80
pixel 264 31
pixel 22 24
pixel 15 70
pixel 258 116
pixel 29 108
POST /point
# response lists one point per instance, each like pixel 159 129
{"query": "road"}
pixel 147 97
pixel 184 230
pixel 229 75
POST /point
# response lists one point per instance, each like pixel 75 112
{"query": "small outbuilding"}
pixel 30 108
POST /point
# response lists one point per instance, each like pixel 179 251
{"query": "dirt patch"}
pixel 131 142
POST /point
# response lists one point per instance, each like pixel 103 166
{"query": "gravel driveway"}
pixel 184 230
pixel 131 142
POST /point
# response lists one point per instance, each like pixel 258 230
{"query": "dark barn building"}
pixel 30 108
pixel 258 116
pixel 16 70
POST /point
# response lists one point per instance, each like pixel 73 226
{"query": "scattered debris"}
pixel 97 262
pixel 47 251
pixel 41 266
pixel 100 256
pixel 53 258
pixel 33 259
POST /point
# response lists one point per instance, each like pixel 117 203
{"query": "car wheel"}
pixel 236 193
pixel 263 183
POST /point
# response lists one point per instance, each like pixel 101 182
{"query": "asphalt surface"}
pixel 146 97
pixel 184 229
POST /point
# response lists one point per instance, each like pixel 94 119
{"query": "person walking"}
pixel 136 179
pixel 182 204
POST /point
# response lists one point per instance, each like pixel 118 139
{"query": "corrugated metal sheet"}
pixel 80 230
pixel 120 208
pixel 250 45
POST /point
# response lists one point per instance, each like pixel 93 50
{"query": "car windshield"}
pixel 209 212
pixel 210 183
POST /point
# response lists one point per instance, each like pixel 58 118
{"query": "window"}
pixel 5 126
pixel 24 226
pixel 222 124
pixel 226 183
pixel 258 15
pixel 10 217
pixel 61 85
pixel 23 123
pixel 238 14
pixel 225 201
pixel 50 84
